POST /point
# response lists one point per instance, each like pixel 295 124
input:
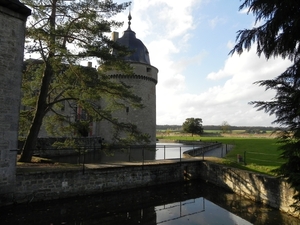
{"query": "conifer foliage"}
pixel 277 35
pixel 60 35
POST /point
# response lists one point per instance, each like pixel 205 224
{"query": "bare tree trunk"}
pixel 31 140
pixel 41 107
pixel 41 110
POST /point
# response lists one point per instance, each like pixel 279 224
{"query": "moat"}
pixel 190 203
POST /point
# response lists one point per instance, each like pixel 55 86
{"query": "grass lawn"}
pixel 261 154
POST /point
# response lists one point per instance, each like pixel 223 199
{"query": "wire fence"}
pixel 259 158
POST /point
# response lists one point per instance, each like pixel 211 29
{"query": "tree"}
pixel 62 34
pixel 278 36
pixel 225 127
pixel 193 125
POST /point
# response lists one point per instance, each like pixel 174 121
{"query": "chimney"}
pixel 114 36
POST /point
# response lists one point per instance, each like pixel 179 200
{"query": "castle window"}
pixel 148 69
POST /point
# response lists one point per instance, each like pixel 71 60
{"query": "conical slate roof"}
pixel 139 51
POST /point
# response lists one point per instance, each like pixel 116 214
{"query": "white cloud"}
pixel 250 66
pixel 230 45
pixel 166 27
pixel 168 17
pixel 216 21
pixel 244 11
pixel 229 101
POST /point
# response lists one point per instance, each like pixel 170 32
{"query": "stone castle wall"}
pixel 13 17
pixel 143 84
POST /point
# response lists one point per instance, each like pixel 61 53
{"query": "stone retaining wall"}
pixel 275 192
pixel 37 186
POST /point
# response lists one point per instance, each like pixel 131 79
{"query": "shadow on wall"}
pixel 269 190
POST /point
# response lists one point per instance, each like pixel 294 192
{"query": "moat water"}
pixel 191 203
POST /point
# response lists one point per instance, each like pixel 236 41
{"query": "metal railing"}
pixel 259 158
pixel 118 154
pixel 130 152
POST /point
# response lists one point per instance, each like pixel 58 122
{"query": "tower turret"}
pixel 139 51
pixel 143 84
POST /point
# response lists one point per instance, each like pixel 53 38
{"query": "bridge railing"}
pixel 200 151
pixel 131 153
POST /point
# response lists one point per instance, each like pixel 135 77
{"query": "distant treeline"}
pixel 213 127
pixel 168 127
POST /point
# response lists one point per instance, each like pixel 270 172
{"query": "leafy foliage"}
pixel 225 127
pixel 193 125
pixel 60 35
pixel 278 35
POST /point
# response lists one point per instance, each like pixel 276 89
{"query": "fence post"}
pixel 129 155
pixel 193 150
pixel 164 152
pixel 180 154
pixel 222 151
pixel 83 161
pixel 143 155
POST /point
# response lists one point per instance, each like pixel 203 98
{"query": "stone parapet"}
pixel 273 191
pixel 37 186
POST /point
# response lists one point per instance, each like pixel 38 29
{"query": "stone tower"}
pixel 143 83
pixel 13 16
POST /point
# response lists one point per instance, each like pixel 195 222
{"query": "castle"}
pixel 143 84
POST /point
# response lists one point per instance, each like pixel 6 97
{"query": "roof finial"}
pixel 129 16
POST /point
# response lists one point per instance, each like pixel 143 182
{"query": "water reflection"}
pixel 178 203
pixel 171 150
pixel 196 211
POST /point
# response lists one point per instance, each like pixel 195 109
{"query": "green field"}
pixel 259 154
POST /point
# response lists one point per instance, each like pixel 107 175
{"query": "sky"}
pixel 189 42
